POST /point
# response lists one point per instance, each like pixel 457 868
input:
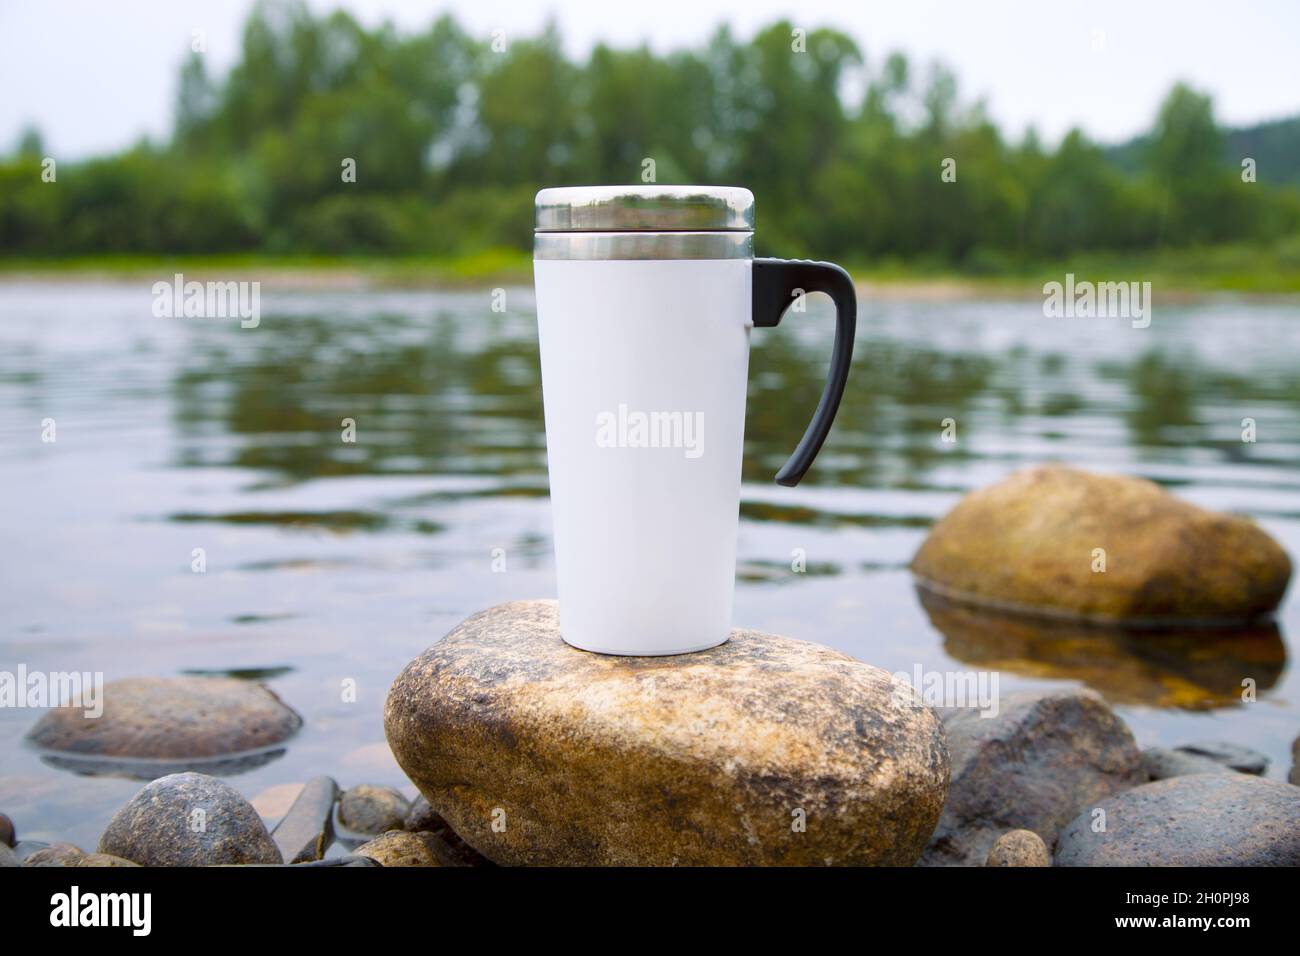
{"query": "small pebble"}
pixel 399 848
pixel 372 810
pixel 1019 848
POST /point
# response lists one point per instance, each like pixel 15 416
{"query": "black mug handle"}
pixel 776 282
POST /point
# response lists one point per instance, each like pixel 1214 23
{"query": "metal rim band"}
pixel 643 245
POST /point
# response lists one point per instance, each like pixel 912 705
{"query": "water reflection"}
pixel 330 560
pixel 1189 669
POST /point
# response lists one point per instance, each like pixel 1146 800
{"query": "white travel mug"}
pixel 645 299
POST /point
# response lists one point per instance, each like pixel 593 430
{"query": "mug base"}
pixel 672 652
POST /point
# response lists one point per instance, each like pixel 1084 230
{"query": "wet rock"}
pixel 188 721
pixel 1208 819
pixel 307 829
pixel 7 836
pixel 370 810
pixel 188 819
pixel 764 750
pixel 1233 756
pixel 1034 766
pixel 422 817
pixel 1030 542
pixel 56 854
pixel 399 848
pixel 103 860
pixel 308 826
pixel 1160 763
pixel 1019 848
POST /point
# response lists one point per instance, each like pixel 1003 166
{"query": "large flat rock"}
pixel 765 750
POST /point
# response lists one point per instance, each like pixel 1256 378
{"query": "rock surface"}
pixel 1294 776
pixel 160 718
pixel 7 835
pixel 8 857
pixel 1033 767
pixel 307 829
pixel 371 810
pixel 422 817
pixel 1019 848
pixel 1028 543
pixel 399 848
pixel 764 750
pixel 1161 763
pixel 188 819
pixel 1209 819
pixel 103 860
pixel 1233 756
pixel 56 854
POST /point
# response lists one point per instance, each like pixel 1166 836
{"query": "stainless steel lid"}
pixel 645 208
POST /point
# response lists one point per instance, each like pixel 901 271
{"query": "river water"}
pixel 333 563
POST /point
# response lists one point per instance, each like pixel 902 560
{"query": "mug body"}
pixel 644 366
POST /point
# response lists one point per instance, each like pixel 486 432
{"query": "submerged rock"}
pixel 1019 848
pixel 1230 755
pixel 1034 766
pixel 170 721
pixel 308 827
pixel 764 750
pixel 370 810
pixel 1031 543
pixel 1208 819
pixel 188 819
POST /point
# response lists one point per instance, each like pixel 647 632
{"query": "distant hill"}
pixel 1275 147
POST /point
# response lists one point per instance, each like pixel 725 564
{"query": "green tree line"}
pixel 451 136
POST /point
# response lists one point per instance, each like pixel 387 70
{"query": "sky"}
pixel 95 76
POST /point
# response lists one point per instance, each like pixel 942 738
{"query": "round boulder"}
pixel 1069 542
pixel 1204 819
pixel 188 819
pixel 763 750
